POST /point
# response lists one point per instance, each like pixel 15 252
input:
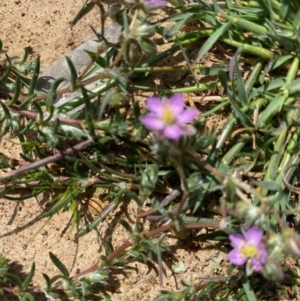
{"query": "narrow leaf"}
pixel 17 91
pixel 248 289
pixel 238 112
pixel 64 201
pixel 178 25
pixel 269 185
pixel 35 76
pixel 52 92
pixel 273 107
pixel 29 277
pixel 126 225
pixel 59 264
pixel 25 56
pixel 239 81
pixel 209 43
pixel 14 279
pixel 89 116
pixel 73 78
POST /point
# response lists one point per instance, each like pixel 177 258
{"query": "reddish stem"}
pixel 33 115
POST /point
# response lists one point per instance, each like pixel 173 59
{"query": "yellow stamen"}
pixel 249 251
pixel 168 116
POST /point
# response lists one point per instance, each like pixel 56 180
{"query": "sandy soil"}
pixel 44 27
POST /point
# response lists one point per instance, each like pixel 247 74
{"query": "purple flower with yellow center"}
pixel 155 3
pixel 248 249
pixel 149 3
pixel 168 117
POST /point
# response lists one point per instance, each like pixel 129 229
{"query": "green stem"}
pixel 272 170
pixel 200 87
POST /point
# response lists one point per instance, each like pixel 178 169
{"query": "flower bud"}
pixel 133 52
pixel 250 212
pixel 148 182
pixel 145 30
pixel 148 46
pixel 98 276
pixel 291 242
pixel 273 269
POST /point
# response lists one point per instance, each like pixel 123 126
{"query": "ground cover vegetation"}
pixel 144 150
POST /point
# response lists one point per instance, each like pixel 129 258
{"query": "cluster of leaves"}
pixel 250 168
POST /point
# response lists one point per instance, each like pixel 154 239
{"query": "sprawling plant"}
pixel 102 138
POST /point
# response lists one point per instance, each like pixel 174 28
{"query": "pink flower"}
pixel 168 117
pixel 149 3
pixel 248 249
pixel 155 3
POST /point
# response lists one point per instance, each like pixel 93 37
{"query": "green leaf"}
pixel 108 246
pixel 59 265
pixel 48 281
pixel 73 78
pixel 149 179
pixel 27 297
pixel 209 43
pixel 52 92
pixel 18 88
pixel 178 25
pixel 296 21
pixel 284 9
pixel 64 201
pixel 89 116
pixel 252 79
pixel 273 107
pixel 6 75
pixel 248 289
pixel 5 110
pixel 245 24
pixel 211 71
pixel 107 97
pixel 273 85
pixel 126 225
pixel 242 96
pixel 148 46
pixel 281 60
pixel 238 112
pixel 35 76
pixel 74 209
pixel 269 185
pixel 25 56
pixel 29 277
pixel 14 279
pixel 286 42
pixel 294 86
pixel 85 9
pixel 40 112
pixel 230 155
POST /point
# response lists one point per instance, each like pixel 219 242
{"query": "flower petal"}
pixel 172 132
pixel 256 265
pixel 237 239
pixel 187 130
pixel 155 3
pixel 176 103
pixel 187 116
pixel 155 105
pixel 235 257
pixel 254 235
pixel 151 122
pixel 263 253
